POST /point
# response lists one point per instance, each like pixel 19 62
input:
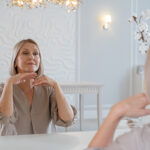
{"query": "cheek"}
pixel 38 60
pixel 20 61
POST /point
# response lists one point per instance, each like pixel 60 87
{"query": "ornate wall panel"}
pixel 52 28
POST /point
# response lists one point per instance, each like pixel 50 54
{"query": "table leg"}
pixel 99 110
pixel 81 110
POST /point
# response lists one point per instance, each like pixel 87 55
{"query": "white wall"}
pixel 105 55
pixel 110 57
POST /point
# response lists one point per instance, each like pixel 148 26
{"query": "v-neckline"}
pixel 26 99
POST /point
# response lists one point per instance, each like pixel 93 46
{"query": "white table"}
pixel 56 141
pixel 83 88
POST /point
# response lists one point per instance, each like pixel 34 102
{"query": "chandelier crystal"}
pixel 70 5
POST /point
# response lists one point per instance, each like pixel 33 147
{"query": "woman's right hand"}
pixel 21 77
pixel 134 106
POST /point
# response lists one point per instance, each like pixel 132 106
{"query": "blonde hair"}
pixel 17 47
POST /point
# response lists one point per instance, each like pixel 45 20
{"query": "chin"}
pixel 30 70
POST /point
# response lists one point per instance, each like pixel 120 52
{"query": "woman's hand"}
pixel 45 81
pixel 134 106
pixel 21 77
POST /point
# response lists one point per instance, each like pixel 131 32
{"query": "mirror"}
pixel 76 48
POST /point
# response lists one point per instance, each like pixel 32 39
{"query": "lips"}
pixel 31 63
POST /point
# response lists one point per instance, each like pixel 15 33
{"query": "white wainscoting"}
pixel 90 112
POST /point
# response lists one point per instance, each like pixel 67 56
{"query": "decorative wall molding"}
pixel 91 113
pixel 133 50
pixel 56 32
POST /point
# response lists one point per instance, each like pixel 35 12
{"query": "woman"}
pixel 30 100
pixel 138 138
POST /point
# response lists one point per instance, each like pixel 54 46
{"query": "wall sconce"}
pixel 106 22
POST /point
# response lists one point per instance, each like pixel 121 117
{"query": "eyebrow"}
pixel 29 49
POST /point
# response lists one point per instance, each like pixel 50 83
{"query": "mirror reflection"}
pixel 64 70
pixel 29 99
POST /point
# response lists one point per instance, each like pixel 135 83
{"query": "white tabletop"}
pixel 55 141
pixel 80 84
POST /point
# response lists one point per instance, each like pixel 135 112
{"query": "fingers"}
pixel 143 97
pixel 39 81
pixel 146 98
pixel 20 81
pixel 25 76
pixel 43 84
pixel 147 111
pixel 28 75
pixel 43 80
pixel 21 77
pixel 135 105
pixel 36 83
pixel 144 112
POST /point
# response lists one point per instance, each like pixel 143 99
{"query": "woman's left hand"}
pixel 45 81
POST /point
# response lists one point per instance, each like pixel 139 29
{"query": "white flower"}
pixel 146 36
pixel 142 26
pixel 132 18
pixel 143 48
pixel 142 34
pixel 138 35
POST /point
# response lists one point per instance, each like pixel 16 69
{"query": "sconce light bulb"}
pixel 108 18
pixel 106 22
pixel 106 26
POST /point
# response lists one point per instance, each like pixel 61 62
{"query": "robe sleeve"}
pixel 7 123
pixel 54 111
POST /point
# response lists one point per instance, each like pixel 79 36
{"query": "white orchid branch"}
pixel 142 34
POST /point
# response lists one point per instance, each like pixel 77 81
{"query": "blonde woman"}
pixel 138 138
pixel 29 100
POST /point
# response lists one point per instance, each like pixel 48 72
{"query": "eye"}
pixel 25 53
pixel 35 53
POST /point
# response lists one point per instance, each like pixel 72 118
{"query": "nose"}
pixel 31 56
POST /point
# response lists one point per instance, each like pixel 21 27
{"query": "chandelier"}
pixel 70 5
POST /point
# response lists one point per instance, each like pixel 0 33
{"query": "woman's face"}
pixel 28 58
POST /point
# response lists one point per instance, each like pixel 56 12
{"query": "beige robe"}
pixel 34 119
pixel 137 139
